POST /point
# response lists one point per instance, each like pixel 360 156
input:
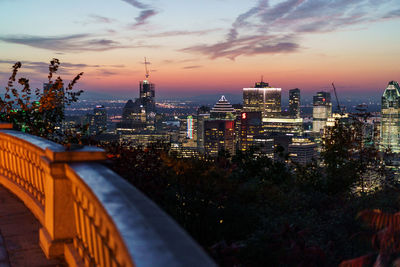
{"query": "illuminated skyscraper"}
pixel 219 130
pixel 222 110
pixel 294 103
pixel 147 94
pixel 219 135
pixel 390 118
pixel 98 120
pixel 322 110
pixel 250 126
pixel 262 98
pixel 203 114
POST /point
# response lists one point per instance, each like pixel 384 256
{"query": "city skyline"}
pixel 196 49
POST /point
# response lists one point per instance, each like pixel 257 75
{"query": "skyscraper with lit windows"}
pixel 390 118
pixel 219 129
pixel 294 103
pixel 262 98
pixel 322 110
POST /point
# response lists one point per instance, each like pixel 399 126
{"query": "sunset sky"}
pixel 207 46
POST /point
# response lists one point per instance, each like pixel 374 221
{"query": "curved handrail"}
pixel 152 238
pixel 22 169
pixel 91 216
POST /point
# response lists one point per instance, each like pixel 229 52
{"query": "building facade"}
pixel 262 98
pixel 294 103
pixel 390 119
pixel 219 129
pixel 302 151
pixel 250 126
pixel 322 110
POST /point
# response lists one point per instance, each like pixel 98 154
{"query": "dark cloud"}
pixel 393 14
pixel 145 14
pixel 65 67
pixel 192 67
pixel 278 28
pixel 181 33
pixel 95 19
pixel 143 17
pixel 251 45
pixel 105 72
pixel 71 43
pixel 136 4
pixel 100 19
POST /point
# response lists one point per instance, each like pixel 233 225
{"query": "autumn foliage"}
pixel 35 111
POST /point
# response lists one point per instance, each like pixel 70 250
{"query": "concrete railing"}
pixel 89 215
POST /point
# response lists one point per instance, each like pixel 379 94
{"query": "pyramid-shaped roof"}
pixel 222 105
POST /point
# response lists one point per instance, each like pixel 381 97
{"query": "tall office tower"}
pixel 100 118
pixel 238 117
pixel 322 110
pixel 219 130
pixel 294 103
pixel 188 131
pixel 222 110
pixel 250 126
pixel 203 114
pixel 263 98
pixel 219 135
pixel 147 93
pixel 390 118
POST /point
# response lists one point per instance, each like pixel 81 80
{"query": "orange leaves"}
pixel 386 240
pixel 366 260
pixel 39 117
pixel 379 220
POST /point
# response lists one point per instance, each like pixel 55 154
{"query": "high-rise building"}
pixel 219 135
pixel 322 110
pixel 222 110
pixel 294 103
pixel 302 150
pixel 219 130
pixel 390 118
pixel 283 125
pixel 100 118
pixel 203 114
pixel 262 98
pixel 264 146
pixel 141 114
pixel 133 118
pixel 250 126
pixel 147 94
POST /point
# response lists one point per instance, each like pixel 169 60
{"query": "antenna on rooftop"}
pixel 262 78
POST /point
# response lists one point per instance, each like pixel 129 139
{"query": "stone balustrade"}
pixel 90 216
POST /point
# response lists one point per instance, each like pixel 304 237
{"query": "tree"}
pixel 38 113
pixel 345 157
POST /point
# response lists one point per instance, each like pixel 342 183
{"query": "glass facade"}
pixel 322 110
pixel 294 103
pixel 267 100
pixel 390 119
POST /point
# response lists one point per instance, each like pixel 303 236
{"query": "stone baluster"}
pixel 59 224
